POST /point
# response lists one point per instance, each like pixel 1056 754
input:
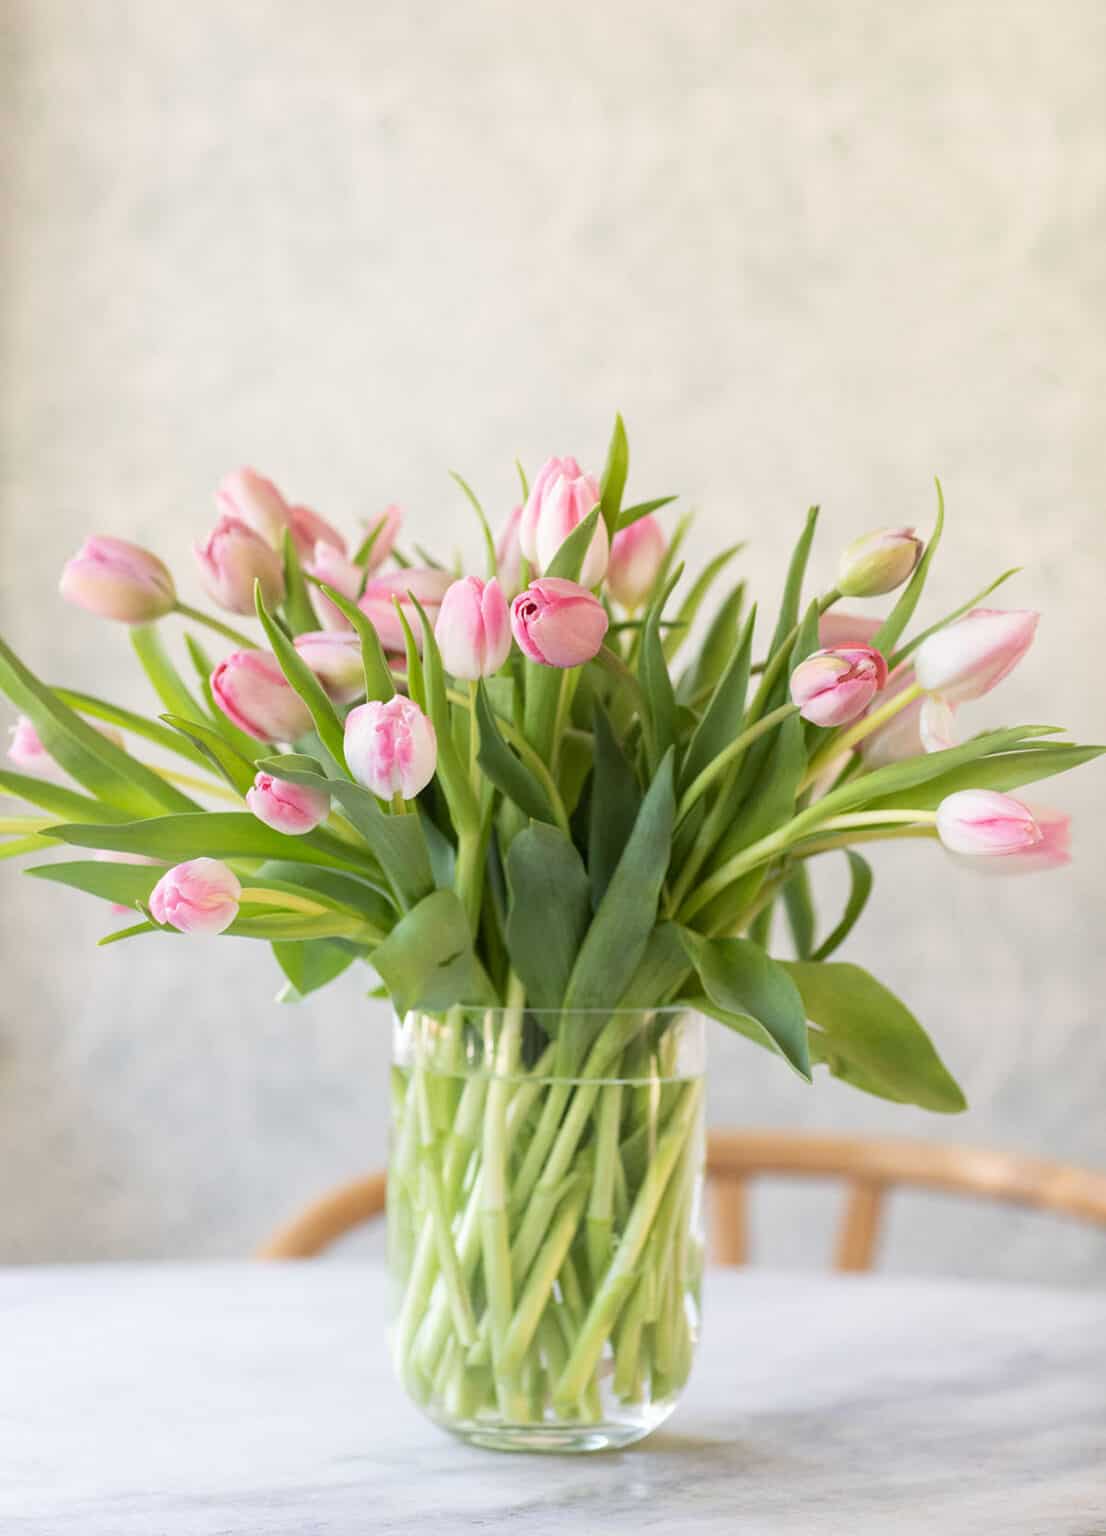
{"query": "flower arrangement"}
pixel 540 795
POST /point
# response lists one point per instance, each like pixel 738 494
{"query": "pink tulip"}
pixel 326 564
pixel 117 580
pixel 252 499
pixel 836 629
pixel 984 823
pixel 286 807
pixel 924 725
pixel 835 686
pixel 558 623
pixel 233 558
pixel 967 659
pixel 378 603
pixel 560 498
pixel 473 629
pixel 1052 852
pixel 388 522
pixel 28 754
pixel 879 562
pixel 253 693
pixel 391 748
pixel 309 530
pixel 335 659
pixel 200 896
pixel 508 556
pixel 637 554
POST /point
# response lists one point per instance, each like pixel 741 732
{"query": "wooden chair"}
pixel 870 1168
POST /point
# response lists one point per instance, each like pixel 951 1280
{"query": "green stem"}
pixel 842 745
pixel 543 1272
pixel 730 756
pixel 494 1219
pixel 198 616
pixel 601 1201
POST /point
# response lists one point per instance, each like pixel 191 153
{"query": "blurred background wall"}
pixel 813 253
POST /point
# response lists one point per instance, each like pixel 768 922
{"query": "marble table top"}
pixel 212 1400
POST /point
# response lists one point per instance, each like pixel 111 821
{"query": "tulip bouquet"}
pixel 552 812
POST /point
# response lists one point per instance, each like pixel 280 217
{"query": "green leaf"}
pixel 615 471
pixel 744 983
pixel 506 771
pixel 491 559
pixel 569 559
pixel 793 583
pixel 799 905
pixel 427 960
pixel 689 608
pixel 84 752
pixel 722 720
pixel 656 684
pixel 58 800
pixel 630 515
pixel 615 801
pixel 298 613
pixel 163 675
pixel 950 618
pixel 868 1037
pixel 660 971
pixel 310 964
pixel 887 636
pixel 126 719
pixel 378 676
pixel 548 913
pixel 300 677
pixel 619 932
pixel 701 676
pixel 860 888
pixel 335 888
pixel 1002 771
pixel 365 548
pixel 127 884
pixel 205 834
pixel 238 773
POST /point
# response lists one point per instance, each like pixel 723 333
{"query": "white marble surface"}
pixel 217 1400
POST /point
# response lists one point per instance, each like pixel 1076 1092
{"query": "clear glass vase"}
pixel 544 1221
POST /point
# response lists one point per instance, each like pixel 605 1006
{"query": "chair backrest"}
pixel 868 1167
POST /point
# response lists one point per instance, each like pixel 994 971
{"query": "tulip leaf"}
pixel 1000 770
pixel 127 720
pixel 378 677
pixel 722 720
pixel 662 968
pixel 860 888
pixel 548 912
pixel 125 884
pixel 701 675
pixel 427 960
pixel 656 684
pixel 167 682
pixel 689 608
pixel 208 834
pixel 867 1037
pixel 359 895
pixel 619 932
pixel 887 636
pixel 568 562
pixel 84 752
pixel 491 559
pixel 798 903
pixel 300 677
pixel 791 600
pixel 506 771
pixel 238 773
pixel 58 800
pixel 310 964
pixel 613 810
pixel 743 983
pixel 298 613
pixel 613 483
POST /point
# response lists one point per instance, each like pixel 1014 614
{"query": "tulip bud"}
pixel 254 694
pixel 879 562
pixel 984 823
pixel 833 687
pixel 291 808
pixel 200 896
pixel 335 659
pixel 310 530
pixel 473 629
pixel 28 754
pixel 255 501
pixel 118 580
pixel 967 659
pixel 637 554
pixel 233 558
pixel 326 564
pixel 508 556
pixel 558 623
pixel 1052 852
pixel 378 603
pixel 391 748
pixel 388 522
pixel 560 498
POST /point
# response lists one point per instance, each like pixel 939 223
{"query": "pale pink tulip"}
pixel 254 500
pixel 637 555
pixel 1052 852
pixel 199 896
pixel 473 629
pixel 335 658
pixel 926 724
pixel 561 496
pixel 287 807
pixel 377 603
pixel 309 530
pixel 833 687
pixel 985 824
pixel 117 580
pixel 878 562
pixel 253 693
pixel 27 753
pixel 326 564
pixel 836 629
pixel 391 748
pixel 967 659
pixel 388 522
pixel 558 623
pixel 508 556
pixel 232 559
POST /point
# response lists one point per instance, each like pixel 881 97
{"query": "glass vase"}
pixel 544 1221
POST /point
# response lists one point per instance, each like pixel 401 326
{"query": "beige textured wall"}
pixel 813 252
